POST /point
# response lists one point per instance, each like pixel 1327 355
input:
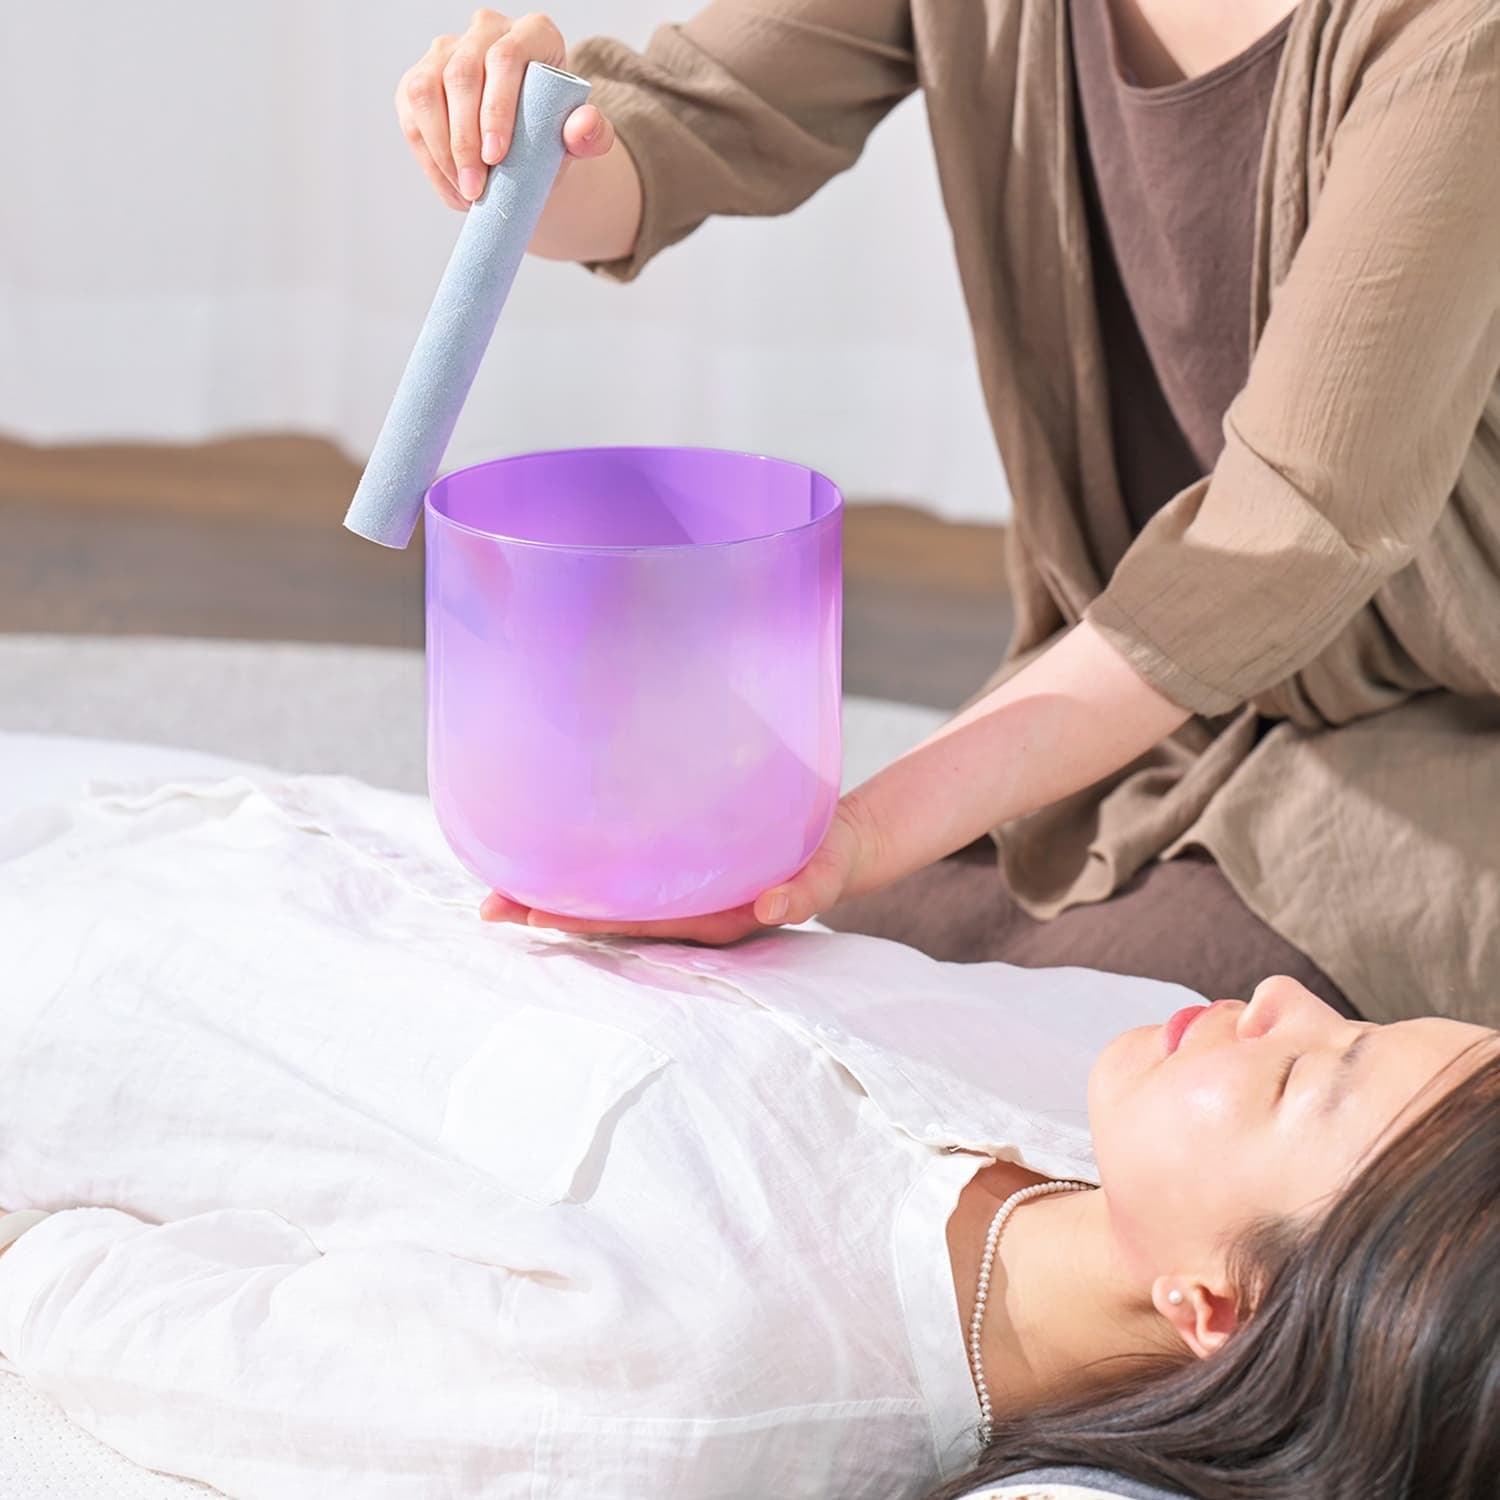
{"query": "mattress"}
pixel 356 710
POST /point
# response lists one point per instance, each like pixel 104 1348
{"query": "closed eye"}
pixel 1286 1074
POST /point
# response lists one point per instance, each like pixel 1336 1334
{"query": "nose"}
pixel 1280 1002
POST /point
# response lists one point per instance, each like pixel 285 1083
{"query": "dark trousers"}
pixel 1180 921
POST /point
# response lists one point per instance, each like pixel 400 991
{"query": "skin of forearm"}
pixel 1073 716
pixel 594 212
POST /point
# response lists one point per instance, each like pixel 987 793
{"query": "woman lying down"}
pixel 350 1195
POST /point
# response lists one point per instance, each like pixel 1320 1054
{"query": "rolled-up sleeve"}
pixel 748 108
pixel 1365 394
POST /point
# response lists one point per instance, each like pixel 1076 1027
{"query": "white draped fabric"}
pixel 209 224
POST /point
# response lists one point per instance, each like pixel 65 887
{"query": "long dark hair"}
pixel 1368 1367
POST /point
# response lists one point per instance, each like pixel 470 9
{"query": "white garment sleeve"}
pixel 227 1348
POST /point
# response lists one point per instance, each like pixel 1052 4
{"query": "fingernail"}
pixel 492 148
pixel 777 907
pixel 471 182
pixel 593 133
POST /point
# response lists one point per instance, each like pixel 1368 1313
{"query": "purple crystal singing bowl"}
pixel 633 675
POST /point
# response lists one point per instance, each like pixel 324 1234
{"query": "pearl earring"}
pixel 1174 1297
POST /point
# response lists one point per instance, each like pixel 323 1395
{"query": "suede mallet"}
pixel 456 333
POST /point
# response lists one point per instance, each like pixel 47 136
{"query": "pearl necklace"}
pixel 986 1264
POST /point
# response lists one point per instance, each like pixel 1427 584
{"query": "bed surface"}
pixel 352 709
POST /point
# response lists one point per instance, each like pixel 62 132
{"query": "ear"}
pixel 1202 1314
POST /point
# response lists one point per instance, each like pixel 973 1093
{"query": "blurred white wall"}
pixel 209 224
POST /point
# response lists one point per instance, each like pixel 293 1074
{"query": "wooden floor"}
pixel 242 538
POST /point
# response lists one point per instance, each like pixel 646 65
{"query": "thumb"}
pixel 587 133
pixel 816 888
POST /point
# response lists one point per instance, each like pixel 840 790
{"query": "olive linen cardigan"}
pixel 1327 601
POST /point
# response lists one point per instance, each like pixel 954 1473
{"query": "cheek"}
pixel 1206 1113
pixel 1174 1155
pixel 1149 1117
pixel 1155 1204
pixel 1170 1211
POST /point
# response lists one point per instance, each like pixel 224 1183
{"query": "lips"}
pixel 1177 1025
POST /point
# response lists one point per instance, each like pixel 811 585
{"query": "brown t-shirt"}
pixel 1169 182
